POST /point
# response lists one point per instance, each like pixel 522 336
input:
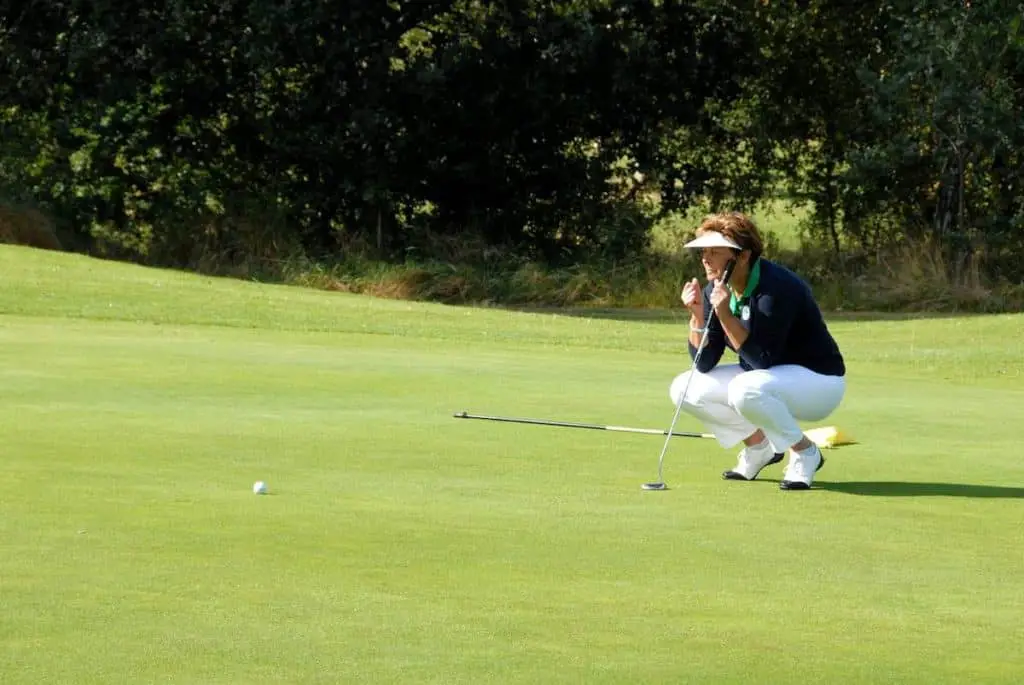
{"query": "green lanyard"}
pixel 752 281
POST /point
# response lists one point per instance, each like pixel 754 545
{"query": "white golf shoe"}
pixel 752 460
pixel 801 469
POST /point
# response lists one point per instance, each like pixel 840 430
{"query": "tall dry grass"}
pixel 927 278
pixel 902 280
pixel 914 279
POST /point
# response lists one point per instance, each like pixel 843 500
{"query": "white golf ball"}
pixel 259 488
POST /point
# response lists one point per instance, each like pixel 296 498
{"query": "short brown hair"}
pixel 737 227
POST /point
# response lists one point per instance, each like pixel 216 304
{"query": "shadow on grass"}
pixel 901 489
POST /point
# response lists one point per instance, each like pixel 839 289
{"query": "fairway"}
pixel 398 545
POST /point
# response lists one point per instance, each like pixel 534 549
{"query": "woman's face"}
pixel 715 260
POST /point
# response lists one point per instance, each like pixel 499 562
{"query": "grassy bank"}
pixel 918 279
pixel 901 279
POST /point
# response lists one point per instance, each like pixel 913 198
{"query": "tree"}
pixel 945 163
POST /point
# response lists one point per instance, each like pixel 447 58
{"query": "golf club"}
pixel 569 424
pixel 660 483
pixel 823 437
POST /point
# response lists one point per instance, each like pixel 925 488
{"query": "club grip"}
pixel 727 274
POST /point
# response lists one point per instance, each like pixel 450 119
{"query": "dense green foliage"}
pixel 553 129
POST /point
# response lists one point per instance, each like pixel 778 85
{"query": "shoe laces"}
pixel 801 460
pixel 752 453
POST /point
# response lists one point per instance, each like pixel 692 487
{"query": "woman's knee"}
pixel 697 388
pixel 675 389
pixel 747 390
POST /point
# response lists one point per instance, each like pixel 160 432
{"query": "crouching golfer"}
pixel 790 368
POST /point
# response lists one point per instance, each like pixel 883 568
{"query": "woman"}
pixel 790 368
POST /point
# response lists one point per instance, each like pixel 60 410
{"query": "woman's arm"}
pixel 696 329
pixel 715 344
pixel 734 329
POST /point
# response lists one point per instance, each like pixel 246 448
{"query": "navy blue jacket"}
pixel 785 325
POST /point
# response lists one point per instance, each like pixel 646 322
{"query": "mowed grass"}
pixel 399 545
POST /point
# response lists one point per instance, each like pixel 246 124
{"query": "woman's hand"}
pixel 720 299
pixel 691 298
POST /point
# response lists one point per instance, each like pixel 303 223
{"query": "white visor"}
pixel 712 239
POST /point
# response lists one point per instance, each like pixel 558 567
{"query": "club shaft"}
pixel 589 426
pixel 693 370
pixel 682 398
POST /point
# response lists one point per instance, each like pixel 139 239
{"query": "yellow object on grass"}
pixel 828 436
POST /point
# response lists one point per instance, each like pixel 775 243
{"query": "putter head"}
pixel 654 486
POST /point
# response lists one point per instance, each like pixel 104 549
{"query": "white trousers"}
pixel 733 403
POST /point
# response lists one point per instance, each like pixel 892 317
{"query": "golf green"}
pixel 398 545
